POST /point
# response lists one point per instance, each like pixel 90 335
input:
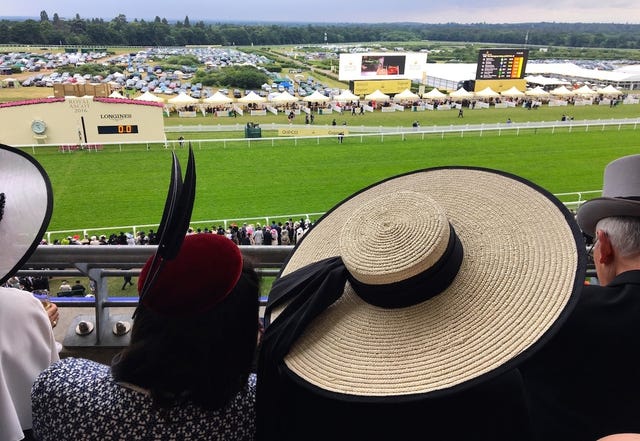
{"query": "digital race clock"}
pixel 120 129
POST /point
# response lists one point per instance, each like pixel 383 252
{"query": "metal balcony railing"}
pixel 101 262
pixel 98 263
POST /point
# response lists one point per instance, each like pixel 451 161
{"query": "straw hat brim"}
pixel 27 210
pixel 592 211
pixel 523 266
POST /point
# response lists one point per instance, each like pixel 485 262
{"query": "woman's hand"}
pixel 54 315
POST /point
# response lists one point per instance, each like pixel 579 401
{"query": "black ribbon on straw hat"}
pixel 174 223
pixel 318 285
pixel 26 205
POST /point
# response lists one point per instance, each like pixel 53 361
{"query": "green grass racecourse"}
pixel 127 186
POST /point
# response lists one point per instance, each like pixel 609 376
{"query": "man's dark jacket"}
pixel 585 383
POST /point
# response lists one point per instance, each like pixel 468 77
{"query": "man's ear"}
pixel 605 251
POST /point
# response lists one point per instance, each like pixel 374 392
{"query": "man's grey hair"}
pixel 623 232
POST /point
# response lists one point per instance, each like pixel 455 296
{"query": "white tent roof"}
pixel 148 96
pixel 217 98
pixel 316 97
pixel 284 97
pixel 561 91
pixel 609 90
pixel 252 97
pixel 461 93
pixel 512 92
pixel 377 96
pixel 345 96
pixel 544 81
pixel 537 91
pixel 487 92
pixel 116 94
pixel 585 90
pixel 182 98
pixel 406 95
pixel 434 94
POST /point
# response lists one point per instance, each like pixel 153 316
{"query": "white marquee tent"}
pixel 434 94
pixel 461 93
pixel 377 96
pixel 252 97
pixel 345 96
pixel 406 95
pixel 537 92
pixel 148 96
pixel 609 90
pixel 283 98
pixel 182 99
pixel 561 91
pixel 487 92
pixel 513 92
pixel 316 97
pixel 585 91
pixel 218 98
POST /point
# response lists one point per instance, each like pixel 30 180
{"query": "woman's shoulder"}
pixel 84 395
pixel 77 366
pixel 68 376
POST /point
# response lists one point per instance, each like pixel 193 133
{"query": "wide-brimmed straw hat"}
pixel 26 203
pixel 620 194
pixel 443 278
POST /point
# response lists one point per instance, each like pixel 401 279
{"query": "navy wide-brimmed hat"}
pixel 26 203
pixel 620 194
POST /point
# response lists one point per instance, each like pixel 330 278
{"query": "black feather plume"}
pixel 175 219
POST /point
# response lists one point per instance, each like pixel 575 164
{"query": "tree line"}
pixel 160 32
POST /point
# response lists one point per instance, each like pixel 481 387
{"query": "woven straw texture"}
pixel 517 275
pixel 404 245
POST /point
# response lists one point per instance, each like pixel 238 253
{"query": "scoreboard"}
pixel 501 64
pixel 81 120
pixel 121 129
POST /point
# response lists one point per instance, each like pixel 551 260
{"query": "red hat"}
pixel 203 273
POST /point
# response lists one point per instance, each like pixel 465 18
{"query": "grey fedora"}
pixel 620 194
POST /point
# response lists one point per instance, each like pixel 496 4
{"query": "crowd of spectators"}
pixel 287 233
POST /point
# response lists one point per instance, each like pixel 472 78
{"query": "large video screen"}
pixel 382 66
pixel 502 64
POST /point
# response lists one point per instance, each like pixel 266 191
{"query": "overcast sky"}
pixel 358 11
